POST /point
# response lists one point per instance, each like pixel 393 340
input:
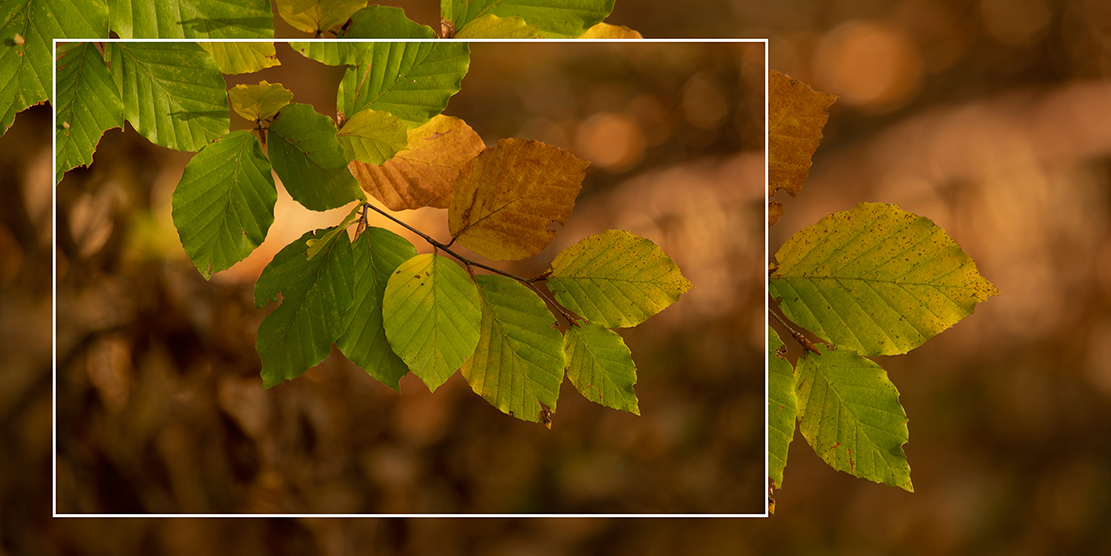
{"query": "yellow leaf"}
pixel 242 57
pixel 491 26
pixel 259 102
pixel 424 174
pixel 312 16
pixel 506 198
pixel 796 116
pixel 607 31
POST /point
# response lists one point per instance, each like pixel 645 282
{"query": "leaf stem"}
pixel 447 248
pixel 803 341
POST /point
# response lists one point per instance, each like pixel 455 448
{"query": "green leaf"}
pixel 317 245
pixel 173 93
pixel 315 16
pixel 377 254
pixel 372 137
pixel 555 18
pixel 601 366
pixel 309 160
pixel 491 26
pixel 242 57
pixel 331 53
pixel 616 279
pixel 316 294
pixel 383 22
pixel 850 414
pixel 411 80
pixel 26 69
pixel 518 363
pixel 876 279
pixel 259 102
pixel 224 204
pixel 507 196
pixel 192 19
pixel 782 408
pixel 431 314
pixel 88 104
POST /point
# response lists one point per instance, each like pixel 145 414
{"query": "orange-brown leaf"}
pixel 506 198
pixel 796 116
pixel 775 210
pixel 424 174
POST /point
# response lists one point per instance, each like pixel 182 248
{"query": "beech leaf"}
pixel 601 366
pixel 782 408
pixel 313 16
pixel 259 102
pixel 424 174
pixel 372 137
pixel 876 279
pixel 491 26
pixel 242 57
pixel 796 116
pixel 555 18
pixel 309 160
pixel 431 315
pixel 616 279
pixel 376 254
pixel 88 104
pixel 507 196
pixel 849 413
pixel 518 363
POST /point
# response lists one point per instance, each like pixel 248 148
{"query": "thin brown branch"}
pixel 803 341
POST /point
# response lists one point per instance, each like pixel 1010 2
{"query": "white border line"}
pixel 53 266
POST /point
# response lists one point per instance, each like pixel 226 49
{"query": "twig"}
pixel 803 341
pixel 447 249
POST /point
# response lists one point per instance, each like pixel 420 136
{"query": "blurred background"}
pixel 990 117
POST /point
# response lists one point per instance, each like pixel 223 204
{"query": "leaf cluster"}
pixel 367 291
pixel 869 281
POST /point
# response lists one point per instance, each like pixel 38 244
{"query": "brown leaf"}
pixel 506 198
pixel 775 210
pixel 796 116
pixel 424 174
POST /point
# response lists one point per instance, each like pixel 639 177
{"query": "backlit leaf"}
pixel 259 102
pixel 224 203
pixel 424 173
pixel 491 26
pixel 782 408
pixel 313 16
pixel 876 279
pixel 507 196
pixel 616 279
pixel 384 22
pixel 316 294
pixel 191 19
pixel 26 69
pixel 372 137
pixel 601 366
pixel 242 57
pixel 88 104
pixel 518 363
pixel 309 160
pixel 850 414
pixel 173 93
pixel 796 116
pixel 431 315
pixel 332 53
pixel 555 18
pixel 411 80
pixel 376 255
pixel 316 245
pixel 607 31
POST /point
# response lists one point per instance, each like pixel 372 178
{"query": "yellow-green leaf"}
pixel 849 413
pixel 491 26
pixel 796 116
pixel 876 279
pixel 601 366
pixel 607 31
pixel 259 102
pixel 372 137
pixel 616 279
pixel 506 198
pixel 782 408
pixel 424 174
pixel 313 16
pixel 518 363
pixel 242 57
